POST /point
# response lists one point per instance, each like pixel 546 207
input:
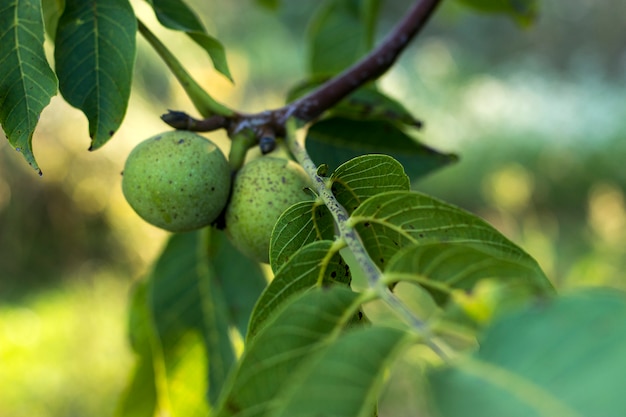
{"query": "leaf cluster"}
pixel 476 315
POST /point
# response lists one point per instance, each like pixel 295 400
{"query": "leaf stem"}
pixel 353 241
pixel 206 105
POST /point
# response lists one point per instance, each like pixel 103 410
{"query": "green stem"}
pixel 240 143
pixel 206 105
pixel 353 241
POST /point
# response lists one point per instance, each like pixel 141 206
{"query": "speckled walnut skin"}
pixel 262 190
pixel 178 181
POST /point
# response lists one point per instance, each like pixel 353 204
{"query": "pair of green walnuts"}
pixel 180 181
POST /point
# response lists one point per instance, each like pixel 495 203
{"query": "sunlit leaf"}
pixel 344 379
pixel 139 399
pixel 94 56
pixel 313 265
pixel 292 335
pixel 365 176
pixel 442 268
pixel 176 15
pixel 336 140
pixel 26 80
pixel 302 223
pixel 340 33
pixel 389 221
pixel 523 12
pixel 191 328
pixel 563 358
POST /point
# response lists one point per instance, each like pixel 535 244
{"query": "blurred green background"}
pixel 537 115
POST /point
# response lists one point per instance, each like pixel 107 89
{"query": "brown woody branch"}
pixel 312 105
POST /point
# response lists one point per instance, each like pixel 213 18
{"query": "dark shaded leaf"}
pixel 26 80
pixel 524 12
pixel 335 140
pixel 94 56
pixel 240 279
pixel 366 103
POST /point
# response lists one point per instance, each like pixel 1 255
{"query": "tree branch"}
pixel 372 66
pixel 312 105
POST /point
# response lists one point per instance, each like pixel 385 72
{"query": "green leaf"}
pixel 176 15
pixel 365 176
pixel 52 11
pixel 192 339
pixel 442 268
pixel 313 265
pixel 565 358
pixel 301 224
pixel 240 279
pixel 270 4
pixel 341 33
pixel 370 103
pixel 335 140
pixel 139 399
pixel 26 80
pixel 345 378
pixel 389 221
pixel 292 335
pixel 95 55
pixel 524 12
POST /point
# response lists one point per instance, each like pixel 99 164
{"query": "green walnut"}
pixel 262 190
pixel 178 181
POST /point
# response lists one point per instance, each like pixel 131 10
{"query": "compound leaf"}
pixel 563 358
pixel 26 80
pixel 95 55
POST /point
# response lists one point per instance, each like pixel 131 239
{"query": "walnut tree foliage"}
pixel 486 332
